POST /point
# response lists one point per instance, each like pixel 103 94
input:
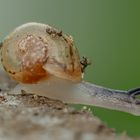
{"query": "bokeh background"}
pixel 107 31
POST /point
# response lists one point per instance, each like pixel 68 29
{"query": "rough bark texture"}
pixel 31 117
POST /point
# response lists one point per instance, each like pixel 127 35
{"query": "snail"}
pixel 45 61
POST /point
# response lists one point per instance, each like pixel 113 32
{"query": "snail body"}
pixel 45 61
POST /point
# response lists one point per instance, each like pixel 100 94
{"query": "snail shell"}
pixel 35 52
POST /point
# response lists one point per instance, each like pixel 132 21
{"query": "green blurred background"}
pixel 107 31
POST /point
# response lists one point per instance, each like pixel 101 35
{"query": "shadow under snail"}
pixel 44 61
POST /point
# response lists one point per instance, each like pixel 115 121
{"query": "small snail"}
pixel 45 62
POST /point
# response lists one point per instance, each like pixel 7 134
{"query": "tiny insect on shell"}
pixel 45 62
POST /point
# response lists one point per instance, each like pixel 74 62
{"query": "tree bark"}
pixel 32 117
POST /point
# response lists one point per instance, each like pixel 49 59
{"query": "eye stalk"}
pixel 46 62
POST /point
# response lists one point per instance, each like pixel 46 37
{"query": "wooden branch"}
pixel 32 117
